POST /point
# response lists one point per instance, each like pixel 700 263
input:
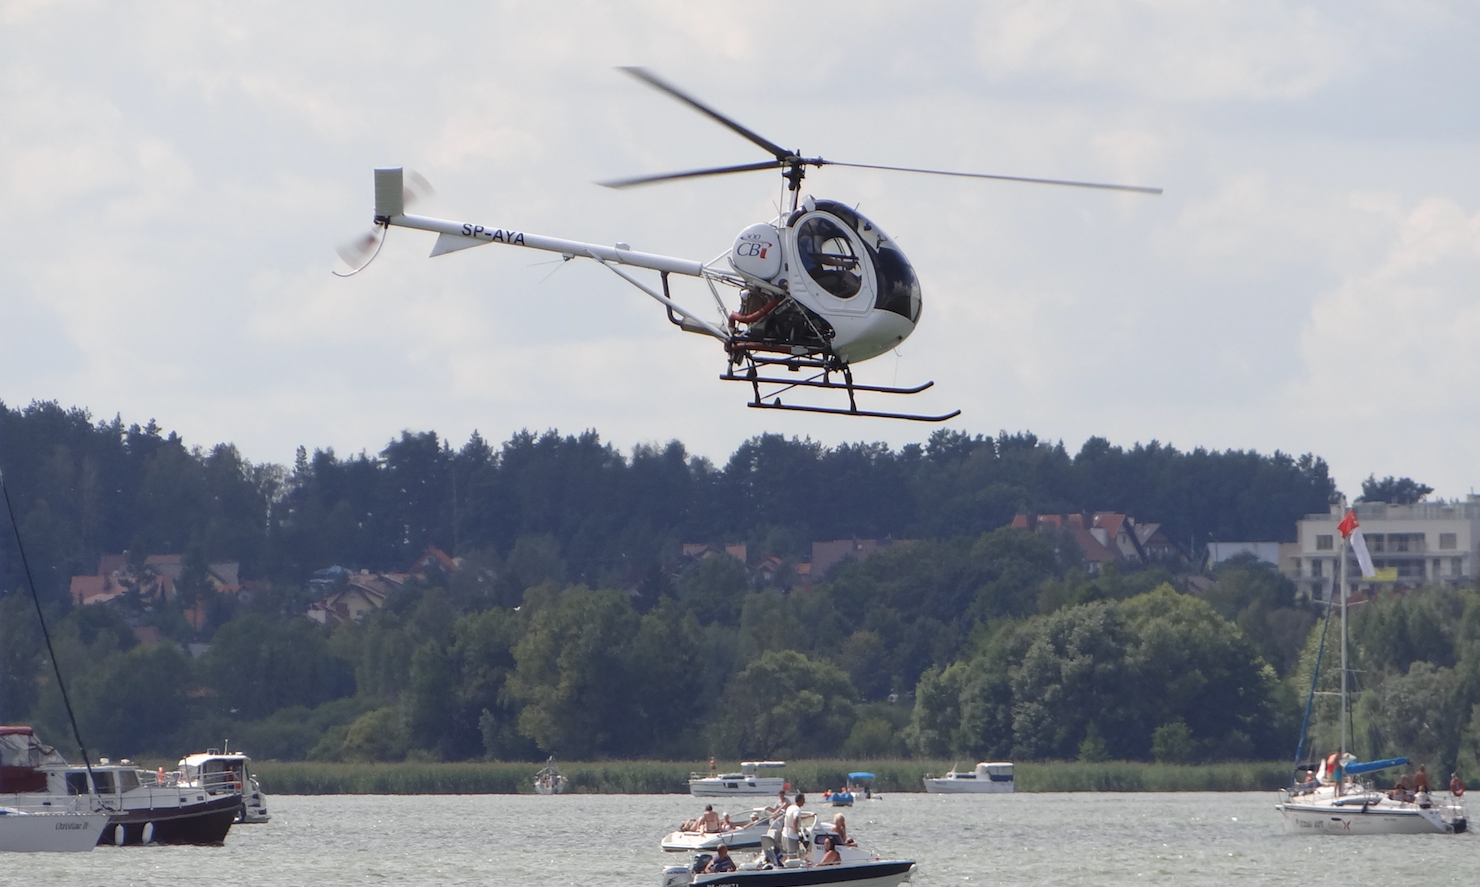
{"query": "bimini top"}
pixel 860 775
pixel 751 765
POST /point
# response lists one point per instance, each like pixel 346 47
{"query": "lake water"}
pixel 1044 840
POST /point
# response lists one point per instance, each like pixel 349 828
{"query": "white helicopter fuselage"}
pixel 859 293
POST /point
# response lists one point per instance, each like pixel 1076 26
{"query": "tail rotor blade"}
pixel 415 187
pixel 359 252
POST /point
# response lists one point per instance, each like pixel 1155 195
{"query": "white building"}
pixel 1409 544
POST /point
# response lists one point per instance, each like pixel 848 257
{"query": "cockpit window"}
pixel 827 254
pixel 899 289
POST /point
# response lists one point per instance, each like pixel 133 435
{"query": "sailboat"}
pixel 1333 799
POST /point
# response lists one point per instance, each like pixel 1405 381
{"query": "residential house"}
pixel 1106 537
pixel 1409 544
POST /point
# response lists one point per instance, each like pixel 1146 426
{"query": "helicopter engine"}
pixel 829 282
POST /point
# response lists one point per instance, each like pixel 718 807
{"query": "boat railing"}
pixel 220 783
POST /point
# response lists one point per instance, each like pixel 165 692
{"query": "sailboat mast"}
pixel 1341 572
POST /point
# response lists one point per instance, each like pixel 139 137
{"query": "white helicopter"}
pixel 818 289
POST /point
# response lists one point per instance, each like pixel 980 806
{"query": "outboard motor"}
pixel 676 876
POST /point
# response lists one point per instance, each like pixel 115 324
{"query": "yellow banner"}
pixel 1384 574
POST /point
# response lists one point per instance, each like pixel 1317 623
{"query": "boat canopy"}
pixel 860 775
pixel 1373 766
pixel 751 765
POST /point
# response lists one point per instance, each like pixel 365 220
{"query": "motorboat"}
pixel 141 808
pixel 549 780
pixel 747 782
pixel 840 798
pixel 857 867
pixel 52 831
pixel 740 836
pixel 218 771
pixel 993 777
pixel 1333 799
pixel 861 787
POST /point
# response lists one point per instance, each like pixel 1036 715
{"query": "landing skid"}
pixel 772 400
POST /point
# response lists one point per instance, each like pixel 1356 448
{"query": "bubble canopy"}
pixel 898 287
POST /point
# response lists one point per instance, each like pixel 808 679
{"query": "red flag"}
pixel 1348 523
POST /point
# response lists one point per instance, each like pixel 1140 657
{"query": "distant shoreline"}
pixel 671 777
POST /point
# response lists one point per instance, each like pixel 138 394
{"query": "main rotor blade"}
pixel 1139 189
pixel 656 82
pixel 691 174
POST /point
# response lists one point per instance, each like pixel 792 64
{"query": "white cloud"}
pixel 175 176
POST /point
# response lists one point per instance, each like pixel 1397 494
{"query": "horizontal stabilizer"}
pixel 451 243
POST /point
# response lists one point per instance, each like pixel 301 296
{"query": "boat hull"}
pixel 719 787
pixel 886 873
pixel 1380 819
pixel 735 839
pixel 944 786
pixel 50 832
pixel 204 822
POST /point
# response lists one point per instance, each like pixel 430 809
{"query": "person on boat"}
pixel 1401 790
pixel 1456 785
pixel 775 812
pixel 708 821
pixel 722 861
pixel 791 827
pixel 840 828
pixel 713 770
pixel 1421 779
pixel 831 857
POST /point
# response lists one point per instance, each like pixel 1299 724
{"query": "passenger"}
pixel 1421 779
pixel 1399 791
pixel 791 827
pixel 725 824
pixel 721 861
pixel 776 812
pixel 831 857
pixel 840 828
pixel 708 821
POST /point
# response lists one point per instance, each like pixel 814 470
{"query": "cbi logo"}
pixel 748 247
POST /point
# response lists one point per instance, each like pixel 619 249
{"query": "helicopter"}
pixel 812 292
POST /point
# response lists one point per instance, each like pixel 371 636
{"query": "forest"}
pixel 573 625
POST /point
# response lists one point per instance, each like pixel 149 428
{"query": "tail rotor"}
pixel 395 190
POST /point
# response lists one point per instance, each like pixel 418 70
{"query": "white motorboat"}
pixel 861 787
pixel 141 809
pixel 225 771
pixel 857 868
pixel 57 831
pixel 992 777
pixel 739 837
pixel 747 782
pixel 549 780
pixel 1334 801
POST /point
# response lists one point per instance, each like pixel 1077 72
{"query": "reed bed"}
pixel 671 777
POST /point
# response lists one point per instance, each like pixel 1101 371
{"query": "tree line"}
pixel 573 626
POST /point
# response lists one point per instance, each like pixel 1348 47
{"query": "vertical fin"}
pixel 389 197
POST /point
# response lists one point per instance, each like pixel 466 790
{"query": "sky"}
pixel 175 177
